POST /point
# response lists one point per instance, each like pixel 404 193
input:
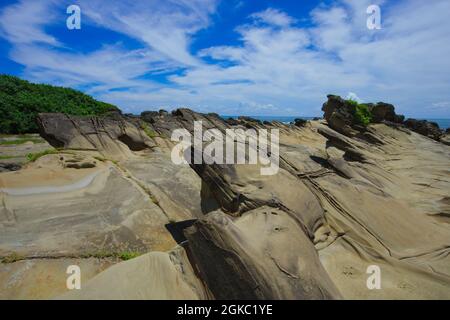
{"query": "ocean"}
pixel 443 123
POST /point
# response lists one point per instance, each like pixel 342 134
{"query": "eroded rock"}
pixel 112 135
pixel 247 258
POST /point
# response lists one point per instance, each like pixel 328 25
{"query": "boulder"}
pixel 445 138
pixel 383 111
pixel 427 128
pixel 338 204
pixel 5 167
pixel 340 115
pixel 249 119
pixel 112 135
pixel 152 276
pixel 247 258
pixel 300 122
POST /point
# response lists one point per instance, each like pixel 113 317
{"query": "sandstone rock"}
pixel 5 167
pixel 300 122
pixel 340 115
pixel 113 135
pixel 445 139
pixel 49 209
pixel 45 278
pixel 385 112
pixel 153 276
pixel 235 266
pixel 427 128
pixel 344 198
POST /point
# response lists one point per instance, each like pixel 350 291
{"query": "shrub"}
pixel 127 255
pixel 21 101
pixel 32 157
pixel 103 254
pixel 150 133
pixel 361 112
pixel 11 258
pixel 20 141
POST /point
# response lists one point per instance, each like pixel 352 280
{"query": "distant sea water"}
pixel 443 123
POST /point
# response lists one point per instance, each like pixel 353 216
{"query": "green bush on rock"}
pixel 21 101
pixel 361 112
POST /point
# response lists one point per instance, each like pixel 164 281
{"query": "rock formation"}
pixel 427 128
pixel 346 197
pixel 111 135
pixel 340 116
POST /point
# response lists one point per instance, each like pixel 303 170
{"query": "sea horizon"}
pixel 442 123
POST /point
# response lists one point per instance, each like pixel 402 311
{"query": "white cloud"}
pixel 23 22
pixel 279 67
pixel 165 27
pixel 354 97
pixel 273 17
pixel 443 106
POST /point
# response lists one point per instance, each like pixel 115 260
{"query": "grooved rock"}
pixel 247 258
pixel 384 112
pixel 445 139
pixel 153 276
pixel 112 135
pixel 429 129
pixel 339 114
pixel 340 202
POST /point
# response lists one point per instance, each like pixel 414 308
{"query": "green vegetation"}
pixel 127 255
pixel 151 133
pixel 153 199
pixel 122 255
pixel 362 114
pixel 101 159
pixel 8 157
pixel 13 257
pixel 32 157
pixel 21 101
pixel 20 141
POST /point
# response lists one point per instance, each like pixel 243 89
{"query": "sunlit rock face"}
pixel 346 198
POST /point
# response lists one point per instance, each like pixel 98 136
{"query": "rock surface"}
pixel 112 135
pixel 344 198
pixel 427 128
pixel 340 116
pixel 153 276
pixel 237 267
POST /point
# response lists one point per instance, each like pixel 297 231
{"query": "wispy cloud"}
pixel 166 26
pixel 23 22
pixel 280 65
pixel 274 17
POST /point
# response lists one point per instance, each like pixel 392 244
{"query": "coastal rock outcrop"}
pixel 235 266
pixel 345 197
pixel 341 114
pixel 110 135
pixel 152 276
pixel 445 138
pixel 429 129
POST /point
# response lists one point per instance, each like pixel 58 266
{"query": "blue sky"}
pixel 253 57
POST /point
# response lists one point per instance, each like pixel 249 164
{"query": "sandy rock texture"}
pixel 345 197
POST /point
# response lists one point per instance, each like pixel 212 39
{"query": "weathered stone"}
pixel 112 136
pixel 427 128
